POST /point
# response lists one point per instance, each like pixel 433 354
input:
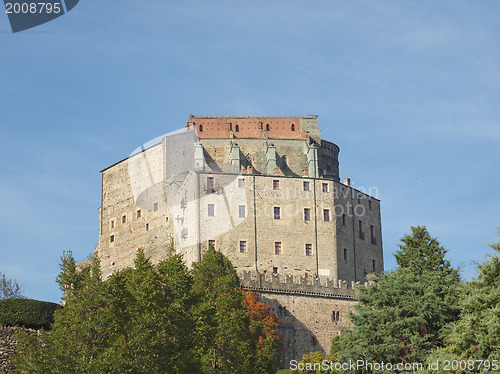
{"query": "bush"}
pixel 29 313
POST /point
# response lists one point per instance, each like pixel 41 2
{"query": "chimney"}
pixel 347 182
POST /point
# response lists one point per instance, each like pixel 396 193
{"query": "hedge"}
pixel 29 313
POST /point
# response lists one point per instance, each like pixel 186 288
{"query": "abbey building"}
pixel 265 191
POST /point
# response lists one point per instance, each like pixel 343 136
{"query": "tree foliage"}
pixel 401 317
pixel 153 319
pixel 9 288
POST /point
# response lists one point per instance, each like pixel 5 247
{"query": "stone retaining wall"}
pixel 8 345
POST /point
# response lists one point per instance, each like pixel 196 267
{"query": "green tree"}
pixel 401 317
pixel 224 339
pixel 476 335
pixel 421 252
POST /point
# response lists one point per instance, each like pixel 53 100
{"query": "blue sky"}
pixel 409 90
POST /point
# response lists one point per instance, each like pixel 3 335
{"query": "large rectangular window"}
pixel 277 212
pixel 326 215
pixel 243 246
pixel 309 250
pixel 241 211
pixel 325 187
pixel 307 214
pixel 277 248
pixel 307 186
pixel 211 210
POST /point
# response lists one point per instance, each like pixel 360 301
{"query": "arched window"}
pixel 237 128
pixel 201 128
pixel 267 127
pixel 293 127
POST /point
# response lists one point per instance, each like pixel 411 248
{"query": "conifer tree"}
pixel 400 318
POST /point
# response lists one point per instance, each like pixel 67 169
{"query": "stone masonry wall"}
pixel 8 345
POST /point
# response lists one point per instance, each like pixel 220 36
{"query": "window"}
pixel 307 186
pixel 326 215
pixel 335 316
pixel 113 224
pixel 211 244
pixel 201 128
pixel 112 239
pixel 359 199
pixel 343 219
pixel 361 233
pixel 267 127
pixel 370 204
pixel 277 212
pixel 241 183
pixel 124 219
pixel 276 184
pixel 293 127
pixel 243 246
pixel 241 211
pixel 210 184
pixel 345 254
pixel 237 128
pixel 307 214
pixel 373 265
pixel 230 126
pixel 155 207
pixel 309 250
pixel 147 226
pixel 139 213
pixel 211 210
pixel 325 187
pixel 284 162
pixel 277 248
pixel 275 270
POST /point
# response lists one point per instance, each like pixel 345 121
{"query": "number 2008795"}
pixel 32 8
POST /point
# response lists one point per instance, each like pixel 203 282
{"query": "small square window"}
pixel 326 215
pixel 211 210
pixel 309 250
pixel 277 248
pixel 241 211
pixel 241 183
pixel 325 187
pixel 307 186
pixel 112 239
pixel 243 246
pixel 113 224
pixel 211 244
pixel 275 270
pixel 124 219
pixel 139 213
pixel 276 184
pixel 155 207
pixel 307 214
pixel 277 212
